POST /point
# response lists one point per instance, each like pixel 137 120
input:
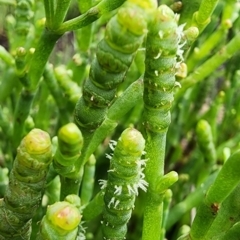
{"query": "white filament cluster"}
pixel 132 188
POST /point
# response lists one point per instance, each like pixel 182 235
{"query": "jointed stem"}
pixel 211 64
pixel 119 108
pixel 202 17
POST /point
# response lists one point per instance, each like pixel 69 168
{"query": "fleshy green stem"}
pixel 219 191
pixel 60 13
pixel 26 184
pixel 202 17
pixel 70 143
pixel 211 64
pixel 56 92
pixel 49 7
pixel 43 50
pixel 88 180
pixel 159 81
pixel 21 113
pixel 119 108
pixel 90 16
pixel 192 200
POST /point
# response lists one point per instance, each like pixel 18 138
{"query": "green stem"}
pixel 159 82
pixel 90 16
pixel 227 217
pixel 39 60
pixel 233 233
pixel 155 148
pixel 43 50
pixel 26 184
pixel 60 14
pixel 56 92
pixel 189 7
pixel 211 64
pixel 166 206
pixel 220 190
pixel 202 17
pixel 119 108
pixel 49 6
pixel 70 143
pixel 70 185
pixel 21 113
pixel 95 207
pixel 88 180
pixel 6 56
pixel 206 48
pixel 192 200
pixel 217 37
pixel 8 83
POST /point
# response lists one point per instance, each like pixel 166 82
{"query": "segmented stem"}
pixel 61 220
pixel 26 184
pixel 163 55
pixel 124 34
pixel 124 178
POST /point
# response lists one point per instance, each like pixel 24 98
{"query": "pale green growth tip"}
pixel 177 6
pixel 168 194
pixel 21 51
pixel 133 141
pixel 191 33
pixel 74 200
pixel 166 181
pixel 164 13
pixel 227 24
pixel 132 20
pixel 64 215
pixel 37 142
pixel 70 134
pixel 203 127
pixel 182 70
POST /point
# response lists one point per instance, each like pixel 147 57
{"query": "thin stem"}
pixel 153 212
pixel 119 108
pixel 191 201
pixel 206 9
pixel 211 64
pixel 21 113
pixel 217 193
pixel 49 6
pixel 6 56
pixel 56 93
pixel 90 16
pixel 60 14
pixel 158 99
pixel 44 48
pixel 189 7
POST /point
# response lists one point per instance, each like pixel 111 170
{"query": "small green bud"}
pixel 73 199
pixel 164 13
pixel 37 142
pixel 132 141
pixel 64 215
pixel 191 33
pixel 163 183
pixel 70 140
